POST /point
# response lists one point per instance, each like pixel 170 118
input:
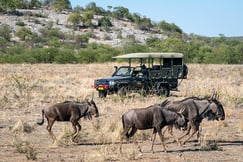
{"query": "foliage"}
pixel 34 4
pixel 8 5
pixel 24 33
pixel 75 19
pixel 144 23
pixel 87 18
pixel 105 22
pixel 12 5
pixel 169 27
pixel 60 5
pixel 120 12
pixel 47 46
pixel 82 40
pixel 5 32
pixel 20 23
pixel 96 10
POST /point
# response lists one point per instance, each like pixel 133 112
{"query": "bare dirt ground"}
pixel 26 89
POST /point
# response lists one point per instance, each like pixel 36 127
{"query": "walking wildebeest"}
pixel 147 118
pixel 69 111
pixel 195 110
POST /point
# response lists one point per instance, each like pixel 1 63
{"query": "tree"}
pixel 35 4
pixel 239 51
pixel 47 3
pixel 82 39
pixel 169 27
pixel 87 18
pixel 75 19
pixel 120 12
pixel 60 5
pixel 105 22
pixel 96 10
pixel 5 32
pixel 24 33
pixel 144 24
pixel 8 5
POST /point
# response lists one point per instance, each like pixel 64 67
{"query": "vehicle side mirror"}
pixel 115 70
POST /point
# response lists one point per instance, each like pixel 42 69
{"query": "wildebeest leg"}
pixel 133 131
pixel 153 139
pixel 198 132
pixel 161 138
pixel 187 133
pixel 170 131
pixel 75 133
pixel 195 128
pixel 49 126
pixel 123 134
pixel 166 128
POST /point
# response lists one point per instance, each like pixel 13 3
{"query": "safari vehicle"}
pixel 156 73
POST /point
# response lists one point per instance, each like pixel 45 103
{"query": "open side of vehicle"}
pixel 157 73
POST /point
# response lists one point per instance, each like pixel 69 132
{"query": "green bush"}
pixel 20 23
pixel 65 56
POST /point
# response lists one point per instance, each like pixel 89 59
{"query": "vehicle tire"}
pixel 102 94
pixel 163 91
pixel 122 91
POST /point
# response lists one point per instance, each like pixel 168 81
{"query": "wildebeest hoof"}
pixel 73 141
pixel 179 143
pixel 139 154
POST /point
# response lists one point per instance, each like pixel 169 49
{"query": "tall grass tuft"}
pixel 24 147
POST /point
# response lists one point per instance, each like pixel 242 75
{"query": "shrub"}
pixel 24 33
pixel 20 23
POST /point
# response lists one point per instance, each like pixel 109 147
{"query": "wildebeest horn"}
pixel 92 97
pixel 216 96
pixel 182 110
pixel 213 95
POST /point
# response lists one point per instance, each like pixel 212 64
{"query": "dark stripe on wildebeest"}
pixel 147 118
pixel 69 111
pixel 195 110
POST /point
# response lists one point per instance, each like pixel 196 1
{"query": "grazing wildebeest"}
pixel 147 118
pixel 69 111
pixel 195 110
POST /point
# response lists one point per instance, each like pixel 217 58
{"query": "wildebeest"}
pixel 147 118
pixel 68 111
pixel 195 110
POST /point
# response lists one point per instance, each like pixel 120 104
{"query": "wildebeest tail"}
pixel 123 126
pixel 42 120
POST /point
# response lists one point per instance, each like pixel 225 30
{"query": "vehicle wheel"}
pixel 122 91
pixel 164 91
pixel 102 94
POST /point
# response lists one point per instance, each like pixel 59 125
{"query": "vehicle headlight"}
pixel 111 83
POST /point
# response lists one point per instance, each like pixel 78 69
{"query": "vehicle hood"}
pixel 114 78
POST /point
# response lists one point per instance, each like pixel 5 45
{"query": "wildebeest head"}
pixel 217 109
pixel 93 110
pixel 181 122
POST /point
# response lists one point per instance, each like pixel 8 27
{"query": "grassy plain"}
pixel 26 89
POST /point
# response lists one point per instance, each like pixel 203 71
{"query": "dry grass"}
pixel 26 88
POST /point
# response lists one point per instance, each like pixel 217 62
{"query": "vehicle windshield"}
pixel 124 71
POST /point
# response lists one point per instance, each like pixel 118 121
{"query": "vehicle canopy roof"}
pixel 150 55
